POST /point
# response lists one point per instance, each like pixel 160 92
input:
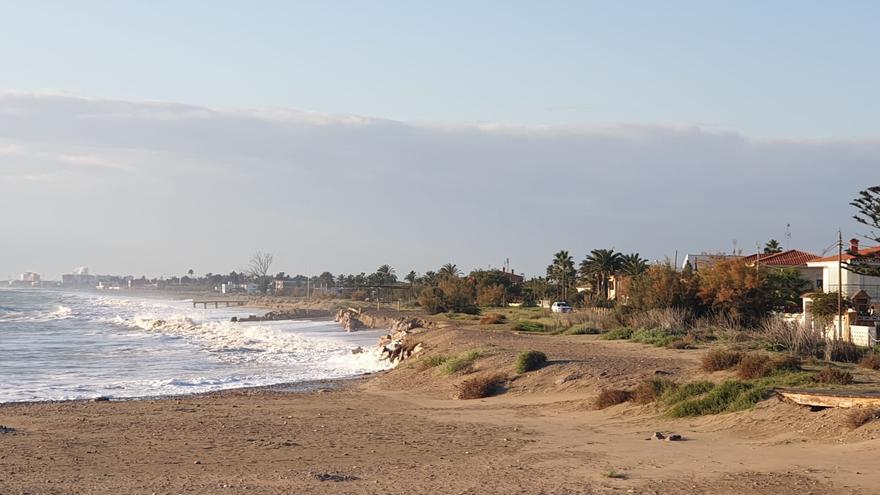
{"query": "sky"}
pixel 154 137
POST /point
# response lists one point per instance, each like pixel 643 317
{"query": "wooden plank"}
pixel 831 398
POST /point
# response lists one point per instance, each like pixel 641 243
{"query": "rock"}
pixel 567 378
pixel 658 436
pixel 358 350
pixel 101 399
pixel 673 438
pixel 349 319
pixel 335 477
pixel 6 429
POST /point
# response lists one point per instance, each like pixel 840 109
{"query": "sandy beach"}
pixel 403 432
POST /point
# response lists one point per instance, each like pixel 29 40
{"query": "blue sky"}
pixel 467 132
pixel 798 69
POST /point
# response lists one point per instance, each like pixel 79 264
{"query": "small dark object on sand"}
pixel 6 429
pixel 673 438
pixel 658 436
pixel 335 477
pixel 101 399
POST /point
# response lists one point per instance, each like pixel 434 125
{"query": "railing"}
pixel 849 290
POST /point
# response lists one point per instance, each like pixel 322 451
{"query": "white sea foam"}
pixel 88 346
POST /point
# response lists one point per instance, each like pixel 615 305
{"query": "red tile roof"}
pixel 869 250
pixel 792 257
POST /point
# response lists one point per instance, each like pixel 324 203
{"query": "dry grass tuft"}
pixel 492 319
pixel 861 416
pixel 479 387
pixel 834 376
pixel 871 362
pixel 753 366
pixel 651 390
pixel 721 359
pixel 612 397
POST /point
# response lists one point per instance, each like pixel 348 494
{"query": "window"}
pixel 818 283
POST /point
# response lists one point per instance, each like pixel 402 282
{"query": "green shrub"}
pixel 582 330
pixel 655 336
pixel 436 360
pixel 621 333
pixel 730 395
pixel 530 326
pixel 687 391
pixel 720 359
pixel 530 361
pixel 652 390
pixel 460 362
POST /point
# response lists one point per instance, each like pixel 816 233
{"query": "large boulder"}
pixel 349 319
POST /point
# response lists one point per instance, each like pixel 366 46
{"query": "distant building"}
pixel 30 278
pixel 791 259
pixel 79 278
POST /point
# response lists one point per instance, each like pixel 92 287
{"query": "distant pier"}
pixel 225 302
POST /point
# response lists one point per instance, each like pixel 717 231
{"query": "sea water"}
pixel 57 345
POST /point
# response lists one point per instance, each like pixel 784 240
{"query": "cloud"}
pixel 150 186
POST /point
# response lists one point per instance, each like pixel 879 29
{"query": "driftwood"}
pixel 831 398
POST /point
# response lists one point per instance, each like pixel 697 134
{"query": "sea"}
pixel 58 345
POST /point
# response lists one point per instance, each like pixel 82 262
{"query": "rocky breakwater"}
pixel 349 319
pixel 398 344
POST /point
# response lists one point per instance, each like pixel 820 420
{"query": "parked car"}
pixel 560 307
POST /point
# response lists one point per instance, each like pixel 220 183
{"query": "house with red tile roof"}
pixel 792 259
pixel 849 283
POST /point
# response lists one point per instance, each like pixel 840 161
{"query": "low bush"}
pixel 460 362
pixel 582 330
pixel 611 397
pixel 833 376
pixel 870 362
pixel 655 336
pixel 861 416
pixel 720 359
pixel 436 360
pixel 687 391
pixel 492 319
pixel 731 395
pixel 845 352
pixel 530 361
pixel 621 333
pixel 479 387
pixel 652 390
pixel 753 366
pixel 530 326
pixel 683 343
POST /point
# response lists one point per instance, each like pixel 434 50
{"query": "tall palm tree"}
pixel 562 272
pixel 411 277
pixel 385 274
pixel 449 270
pixel 633 265
pixel 601 264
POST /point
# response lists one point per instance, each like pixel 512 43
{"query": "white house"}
pixel 849 283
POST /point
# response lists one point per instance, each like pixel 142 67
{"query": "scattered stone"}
pixel 101 399
pixel 673 438
pixel 658 436
pixel 358 350
pixel 335 477
pixel 568 378
pixel 197 462
pixel 6 429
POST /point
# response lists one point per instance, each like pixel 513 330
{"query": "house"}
pixel 792 259
pixel 849 283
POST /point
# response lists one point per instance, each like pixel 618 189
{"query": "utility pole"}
pixel 839 285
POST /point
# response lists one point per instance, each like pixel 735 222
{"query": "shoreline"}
pixel 303 387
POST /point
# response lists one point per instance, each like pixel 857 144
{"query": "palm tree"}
pixel 772 247
pixel 633 265
pixel 385 274
pixel 601 264
pixel 411 277
pixel 449 270
pixel 562 272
